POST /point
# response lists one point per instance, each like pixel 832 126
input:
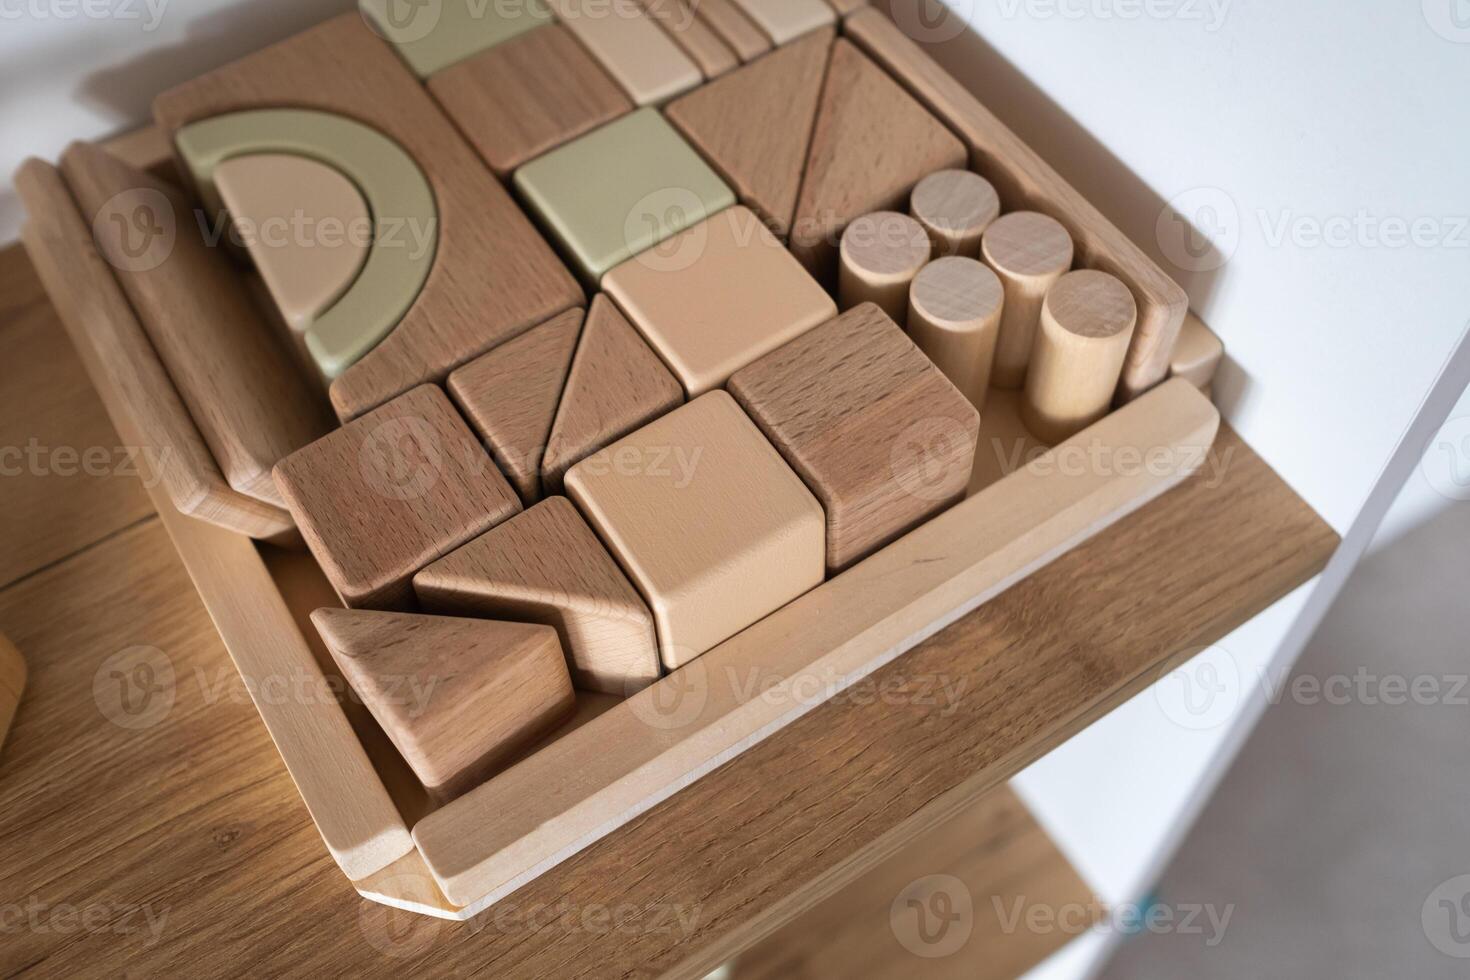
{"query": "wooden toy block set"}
pixel 636 375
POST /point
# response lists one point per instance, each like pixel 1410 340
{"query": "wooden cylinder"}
pixel 1029 252
pixel 881 253
pixel 1087 322
pixel 955 207
pixel 12 683
pixel 954 316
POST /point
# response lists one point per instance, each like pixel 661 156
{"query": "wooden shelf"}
pixel 196 816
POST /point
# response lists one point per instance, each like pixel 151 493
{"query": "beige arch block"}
pixel 305 225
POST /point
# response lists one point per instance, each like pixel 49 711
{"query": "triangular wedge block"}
pixel 305 225
pixel 755 125
pixel 872 143
pixel 617 384
pixel 458 697
pixel 547 566
pixel 510 396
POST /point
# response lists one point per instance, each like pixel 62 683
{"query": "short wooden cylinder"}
pixel 881 254
pixel 1087 322
pixel 1029 252
pixel 954 316
pixel 955 207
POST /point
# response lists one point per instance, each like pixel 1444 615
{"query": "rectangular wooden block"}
pixel 386 494
pixel 694 36
pixel 786 20
pixel 431 37
pixel 646 62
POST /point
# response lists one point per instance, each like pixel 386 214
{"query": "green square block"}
pixel 621 190
pixel 431 35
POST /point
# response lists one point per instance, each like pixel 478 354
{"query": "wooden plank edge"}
pixel 997 152
pixel 489 843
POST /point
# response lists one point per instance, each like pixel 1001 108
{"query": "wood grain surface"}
pixel 955 207
pixel 880 256
pixel 732 24
pixel 243 389
pixel 12 684
pixel 494 276
pixel 1029 252
pixel 650 66
pixel 1025 180
pixel 226 879
pixel 872 143
pixel 954 316
pixel 786 20
pixel 458 697
pixel 755 126
pixel 528 95
pixel 882 438
pixel 546 566
pixel 699 41
pixel 510 397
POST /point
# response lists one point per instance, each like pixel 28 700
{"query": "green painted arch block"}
pixel 399 198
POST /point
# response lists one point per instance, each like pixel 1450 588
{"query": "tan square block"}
pixel 713 527
pixel 717 297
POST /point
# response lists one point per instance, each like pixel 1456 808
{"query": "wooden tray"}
pixel 629 757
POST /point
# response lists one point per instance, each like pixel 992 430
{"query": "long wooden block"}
pixel 628 761
pixel 645 60
pixel 431 37
pixel 1198 355
pixel 12 684
pixel 1025 180
pixel 123 364
pixel 699 41
pixel 494 277
pixel 732 24
pixel 250 401
pixel 786 20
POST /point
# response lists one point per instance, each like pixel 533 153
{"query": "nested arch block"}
pixel 710 522
pixel 546 566
pixel 882 438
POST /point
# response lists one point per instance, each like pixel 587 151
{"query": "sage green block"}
pixel 431 35
pixel 621 190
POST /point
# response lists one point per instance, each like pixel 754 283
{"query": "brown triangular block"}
pixel 617 384
pixel 458 697
pixel 755 125
pixel 510 396
pixel 547 566
pixel 873 142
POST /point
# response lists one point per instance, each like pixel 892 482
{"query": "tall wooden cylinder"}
pixel 955 207
pixel 1087 322
pixel 1029 252
pixel 954 316
pixel 881 254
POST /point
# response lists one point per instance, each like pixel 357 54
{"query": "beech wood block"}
pixel 1197 355
pixel 1087 323
pixel 755 125
pixel 731 23
pixel 305 226
pixel 528 95
pixel 697 39
pixel 546 566
pixel 646 62
pixel 12 684
pixel 954 316
pixel 872 143
pixel 458 698
pixel 386 494
pixel 437 35
pixel 955 207
pixel 1029 252
pixel 617 384
pixel 493 277
pixel 649 184
pixel 880 255
pixel 711 524
pixel 876 431
pixel 510 397
pixel 243 389
pixel 717 297
pixel 845 7
pixel 786 20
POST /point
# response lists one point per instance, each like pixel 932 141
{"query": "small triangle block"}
pixel 510 396
pixel 458 697
pixel 755 125
pixel 872 143
pixel 547 566
pixel 305 225
pixel 617 384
